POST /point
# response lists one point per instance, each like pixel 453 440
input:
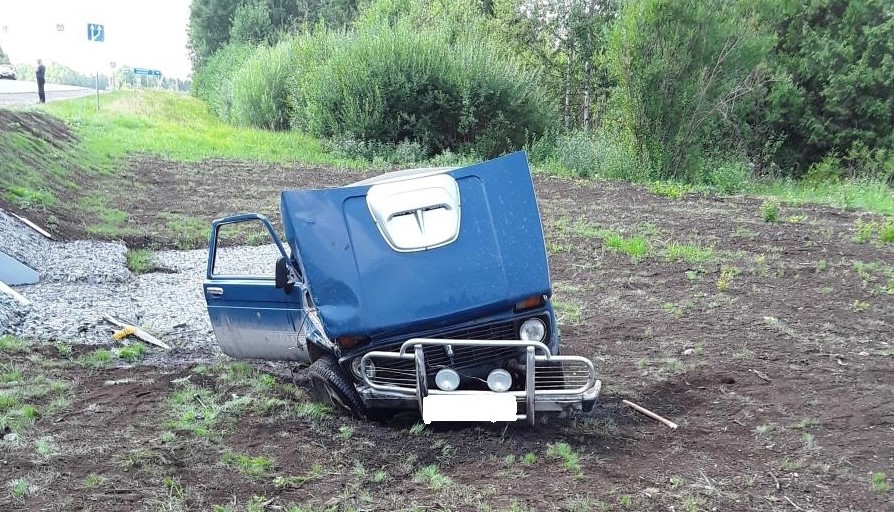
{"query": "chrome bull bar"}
pixel 552 399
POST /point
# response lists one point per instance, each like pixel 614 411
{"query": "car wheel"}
pixel 331 386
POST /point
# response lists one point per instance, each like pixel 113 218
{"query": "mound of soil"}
pixel 39 125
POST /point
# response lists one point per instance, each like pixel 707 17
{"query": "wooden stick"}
pixel 139 332
pixel 14 294
pixel 33 226
pixel 650 414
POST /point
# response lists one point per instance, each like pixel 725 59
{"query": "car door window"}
pixel 245 249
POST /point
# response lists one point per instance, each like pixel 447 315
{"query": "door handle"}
pixel 215 291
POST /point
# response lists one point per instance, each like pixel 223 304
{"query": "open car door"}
pixel 256 312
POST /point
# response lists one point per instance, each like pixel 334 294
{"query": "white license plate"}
pixel 469 407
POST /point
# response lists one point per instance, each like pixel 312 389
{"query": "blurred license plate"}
pixel 469 407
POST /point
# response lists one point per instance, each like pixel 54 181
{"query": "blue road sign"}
pixel 147 72
pixel 96 32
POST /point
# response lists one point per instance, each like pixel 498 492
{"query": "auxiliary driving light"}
pixel 499 380
pixel 532 329
pixel 447 379
pixel 370 369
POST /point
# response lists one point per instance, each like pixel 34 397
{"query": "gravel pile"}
pixel 82 281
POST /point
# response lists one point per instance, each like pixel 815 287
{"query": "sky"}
pixel 138 33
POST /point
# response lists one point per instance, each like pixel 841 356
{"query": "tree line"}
pixel 700 90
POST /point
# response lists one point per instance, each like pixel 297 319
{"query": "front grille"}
pixel 402 372
pixel 560 374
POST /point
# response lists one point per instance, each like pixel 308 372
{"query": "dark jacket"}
pixel 41 71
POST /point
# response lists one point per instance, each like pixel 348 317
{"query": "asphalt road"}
pixel 24 92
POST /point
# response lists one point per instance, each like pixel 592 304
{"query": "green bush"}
pixel 601 153
pixel 213 82
pixel 726 176
pixel 422 84
pixel 262 86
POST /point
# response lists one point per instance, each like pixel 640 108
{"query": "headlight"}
pixel 499 380
pixel 370 368
pixel 447 379
pixel 532 329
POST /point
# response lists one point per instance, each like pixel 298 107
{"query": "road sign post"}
pixel 97 34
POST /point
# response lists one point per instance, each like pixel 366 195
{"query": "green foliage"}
pixel 61 74
pixel 430 84
pixel 213 82
pixel 251 23
pixel 682 67
pixel 770 210
pixel 261 87
pixel 837 94
pixel 209 27
pixel 600 153
pixel 255 467
pixel 139 261
pixel 12 344
pixel 131 353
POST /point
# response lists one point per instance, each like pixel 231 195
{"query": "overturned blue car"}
pixel 425 289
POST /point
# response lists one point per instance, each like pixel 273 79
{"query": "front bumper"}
pixel 541 390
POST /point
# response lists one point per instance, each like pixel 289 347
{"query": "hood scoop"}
pixel 417 213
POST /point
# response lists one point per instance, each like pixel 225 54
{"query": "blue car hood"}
pixel 361 285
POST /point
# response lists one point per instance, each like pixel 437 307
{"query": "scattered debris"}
pixel 762 375
pixel 650 414
pixel 32 225
pixel 14 294
pixel 138 332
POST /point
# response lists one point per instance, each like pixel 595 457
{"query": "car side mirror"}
pixel 282 275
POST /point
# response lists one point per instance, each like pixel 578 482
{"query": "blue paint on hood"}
pixel 362 286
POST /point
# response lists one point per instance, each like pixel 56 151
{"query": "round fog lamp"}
pixel 499 380
pixel 370 368
pixel 532 329
pixel 447 379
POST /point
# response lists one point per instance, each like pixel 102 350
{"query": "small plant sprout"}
pixel 346 431
pixel 726 279
pixel 564 452
pixel 529 459
pixel 432 476
pixel 770 210
pixel 379 476
pixel 417 429
pixel 880 482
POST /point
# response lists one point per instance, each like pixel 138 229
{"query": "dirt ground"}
pixel 771 344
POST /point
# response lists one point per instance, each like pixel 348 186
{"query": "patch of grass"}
pixel 93 481
pixel 417 429
pixel 669 189
pixel 886 232
pixel 254 467
pixel 568 312
pixel 64 350
pixel 688 253
pixel 139 261
pixel 195 410
pixel 790 465
pixel 871 196
pixel 312 410
pixel 379 476
pixel 99 358
pixel 346 432
pixel 46 446
pixel 432 476
pixel 20 489
pixel 529 459
pixel 190 232
pixel 880 482
pixel 13 344
pixel 315 473
pixel 180 127
pixel 563 452
pixel 770 210
pixel 725 280
pixel 131 353
pixel 636 247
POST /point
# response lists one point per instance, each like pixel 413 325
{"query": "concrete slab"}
pixel 13 272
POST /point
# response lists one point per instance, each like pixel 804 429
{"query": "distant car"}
pixel 7 71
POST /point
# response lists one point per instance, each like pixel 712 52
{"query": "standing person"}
pixel 41 79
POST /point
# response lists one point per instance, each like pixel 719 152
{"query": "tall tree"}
pixel 838 93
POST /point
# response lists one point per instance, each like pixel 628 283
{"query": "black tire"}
pixel 331 386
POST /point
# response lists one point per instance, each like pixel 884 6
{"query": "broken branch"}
pixel 650 414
